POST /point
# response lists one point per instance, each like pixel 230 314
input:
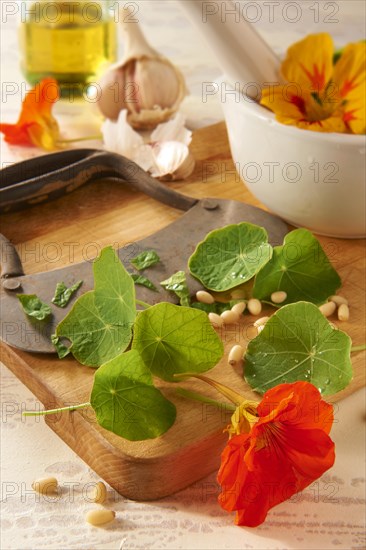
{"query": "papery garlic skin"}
pixel 145 83
pixel 120 138
pixel 172 161
pixel 166 160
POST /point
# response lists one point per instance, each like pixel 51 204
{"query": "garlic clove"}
pixel 172 161
pixel 173 130
pixel 145 83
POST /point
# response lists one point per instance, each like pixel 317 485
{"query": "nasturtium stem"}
pixel 230 394
pixel 202 399
pixel 141 303
pixel 75 140
pixel 54 411
pixel 358 348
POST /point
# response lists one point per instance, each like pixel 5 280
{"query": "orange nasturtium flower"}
pixel 284 452
pixel 36 125
pixel 320 95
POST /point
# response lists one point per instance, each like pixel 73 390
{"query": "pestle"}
pixel 242 54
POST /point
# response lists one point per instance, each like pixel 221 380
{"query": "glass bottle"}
pixel 71 41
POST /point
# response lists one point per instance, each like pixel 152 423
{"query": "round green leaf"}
pixel 176 339
pixel 299 343
pixel 300 268
pixel 114 289
pixel 230 256
pixel 94 340
pixel 126 402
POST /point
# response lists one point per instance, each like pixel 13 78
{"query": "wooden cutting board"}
pixel 75 228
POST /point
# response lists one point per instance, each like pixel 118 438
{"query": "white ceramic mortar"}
pixel 310 179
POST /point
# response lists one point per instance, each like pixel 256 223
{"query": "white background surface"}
pixel 330 514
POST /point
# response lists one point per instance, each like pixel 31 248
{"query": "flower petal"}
pixel 349 71
pixel 38 103
pixel 349 80
pixel 296 107
pixel 286 450
pixel 233 471
pixel 36 124
pixel 286 102
pixel 299 403
pixel 309 62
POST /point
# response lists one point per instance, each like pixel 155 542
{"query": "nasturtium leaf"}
pixel 114 289
pixel 94 340
pixel 143 281
pixel 230 256
pixel 300 268
pixel 177 283
pixel 61 349
pixel 299 343
pixel 34 307
pixel 174 339
pixel 216 307
pixel 63 293
pixel 126 402
pixel 146 259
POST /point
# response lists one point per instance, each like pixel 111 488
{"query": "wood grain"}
pixel 75 228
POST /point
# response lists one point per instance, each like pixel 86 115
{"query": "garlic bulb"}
pixel 145 83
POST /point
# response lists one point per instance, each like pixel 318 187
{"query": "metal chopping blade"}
pixel 174 245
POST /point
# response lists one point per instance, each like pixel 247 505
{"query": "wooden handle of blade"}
pixel 10 262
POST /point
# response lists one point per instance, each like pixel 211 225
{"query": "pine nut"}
pixel 261 322
pixel 254 306
pixel 328 309
pixel 260 328
pixel 239 308
pixel 205 297
pixel 278 297
pixel 237 294
pixel 100 517
pixel 45 486
pixel 343 312
pixel 215 320
pixel 338 300
pixel 99 493
pixel 235 355
pixel 229 317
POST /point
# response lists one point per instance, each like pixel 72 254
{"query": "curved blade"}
pixel 174 244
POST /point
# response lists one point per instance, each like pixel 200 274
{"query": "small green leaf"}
pixel 299 343
pixel 126 402
pixel 61 349
pixel 230 256
pixel 94 340
pixel 143 281
pixel 177 283
pixel 146 259
pixel 34 307
pixel 114 289
pixel 300 268
pixel 63 294
pixel 174 339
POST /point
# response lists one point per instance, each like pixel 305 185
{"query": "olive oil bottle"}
pixel 70 41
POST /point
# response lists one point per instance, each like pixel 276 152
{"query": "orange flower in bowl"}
pixel 36 124
pixel 284 452
pixel 321 95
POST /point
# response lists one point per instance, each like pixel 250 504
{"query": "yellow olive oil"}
pixel 72 42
